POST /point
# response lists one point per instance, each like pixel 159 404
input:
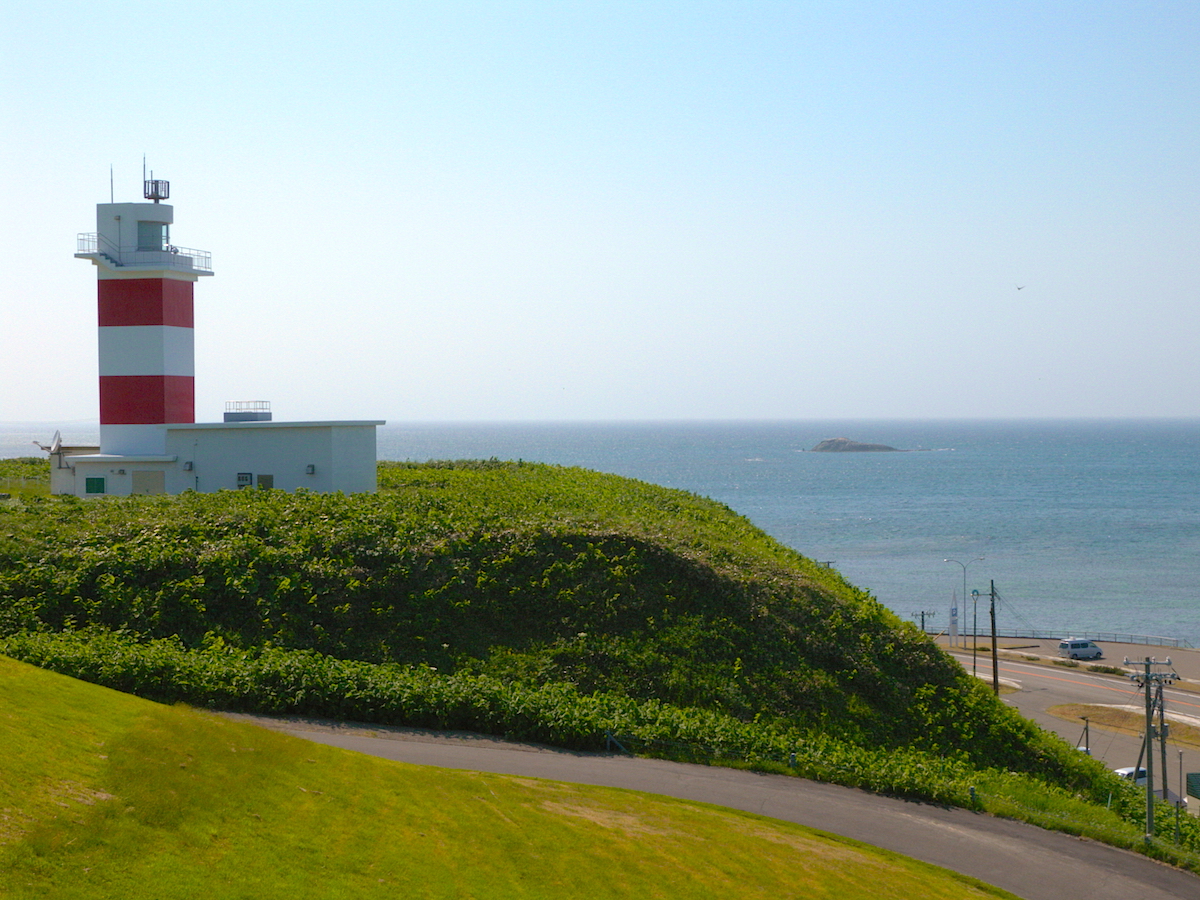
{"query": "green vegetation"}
pixel 525 573
pixel 25 476
pixel 551 604
pixel 301 682
pixel 1108 670
pixel 105 795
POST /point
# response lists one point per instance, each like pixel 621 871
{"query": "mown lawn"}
pixel 105 795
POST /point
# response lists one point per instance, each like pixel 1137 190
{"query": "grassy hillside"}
pixel 528 573
pixel 551 604
pixel 105 795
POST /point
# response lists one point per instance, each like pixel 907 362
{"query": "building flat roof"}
pixel 184 426
pixel 116 458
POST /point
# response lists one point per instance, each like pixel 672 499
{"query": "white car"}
pixel 1073 648
pixel 1138 777
pixel 1134 774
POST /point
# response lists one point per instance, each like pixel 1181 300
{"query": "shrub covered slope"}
pixel 544 603
pixel 523 574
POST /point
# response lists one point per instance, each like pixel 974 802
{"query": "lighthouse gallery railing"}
pixel 169 258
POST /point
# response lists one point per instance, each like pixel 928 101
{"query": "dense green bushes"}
pixel 536 602
pixel 534 577
pixel 24 476
pixel 302 682
pixel 306 683
pixel 25 468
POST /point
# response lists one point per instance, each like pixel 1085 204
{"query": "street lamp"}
pixel 974 637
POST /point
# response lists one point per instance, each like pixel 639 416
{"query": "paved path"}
pixel 1030 862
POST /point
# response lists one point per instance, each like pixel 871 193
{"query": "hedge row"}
pixel 302 682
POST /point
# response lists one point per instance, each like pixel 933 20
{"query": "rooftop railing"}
pixel 90 244
pixel 247 406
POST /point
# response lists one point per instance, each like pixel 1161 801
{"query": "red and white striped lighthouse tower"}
pixel 147 351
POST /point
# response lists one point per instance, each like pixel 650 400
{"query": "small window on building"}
pixel 245 480
pixel 93 485
pixel 152 235
pixel 266 482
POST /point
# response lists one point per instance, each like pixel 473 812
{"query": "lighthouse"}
pixel 146 325
pixel 150 441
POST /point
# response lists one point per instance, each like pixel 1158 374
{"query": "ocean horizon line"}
pixel 681 420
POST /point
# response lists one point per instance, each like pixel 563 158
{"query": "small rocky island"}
pixel 845 445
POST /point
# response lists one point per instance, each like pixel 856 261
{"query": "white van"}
pixel 1074 649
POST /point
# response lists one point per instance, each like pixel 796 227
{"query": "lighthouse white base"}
pixel 208 457
pixel 133 440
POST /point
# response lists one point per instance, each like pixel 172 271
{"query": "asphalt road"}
pixel 1042 687
pixel 1031 863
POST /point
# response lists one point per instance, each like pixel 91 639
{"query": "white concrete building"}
pixel 318 456
pixel 150 442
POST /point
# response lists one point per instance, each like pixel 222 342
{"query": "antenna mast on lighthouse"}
pixel 154 190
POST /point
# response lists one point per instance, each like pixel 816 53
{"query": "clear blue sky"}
pixel 670 210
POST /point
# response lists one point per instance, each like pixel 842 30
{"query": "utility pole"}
pixel 1150 680
pixel 1162 738
pixel 974 629
pixel 995 649
pixel 1179 799
pixel 1149 755
pixel 923 613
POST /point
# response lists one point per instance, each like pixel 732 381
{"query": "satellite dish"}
pixel 55 443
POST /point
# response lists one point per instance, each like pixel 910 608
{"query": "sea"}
pixel 1080 527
